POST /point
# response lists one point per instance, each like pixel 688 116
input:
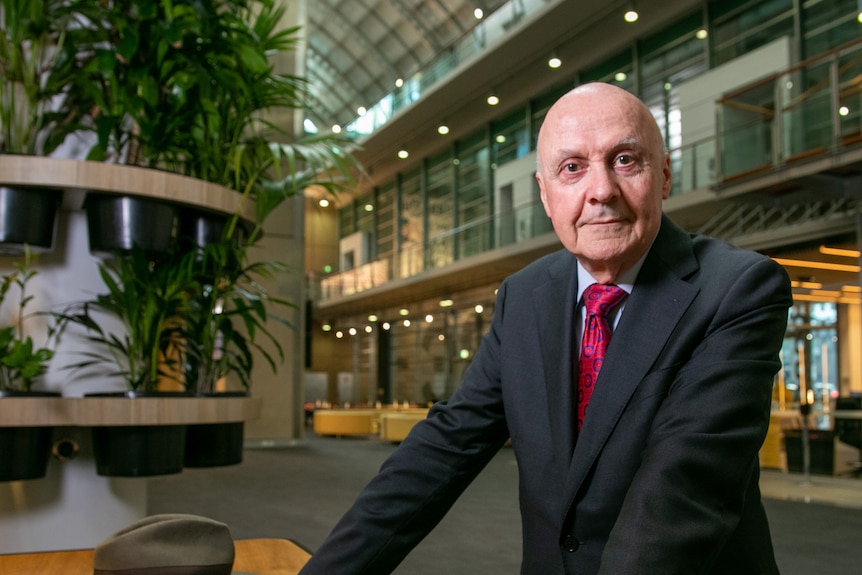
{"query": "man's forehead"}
pixel 577 142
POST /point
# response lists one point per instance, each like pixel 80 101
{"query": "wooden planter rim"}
pixel 77 177
pixel 118 411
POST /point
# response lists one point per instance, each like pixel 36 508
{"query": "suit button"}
pixel 571 543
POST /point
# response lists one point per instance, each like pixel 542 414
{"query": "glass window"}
pixel 827 24
pixel 539 109
pixel 474 196
pixel 618 70
pixel 669 58
pixel 441 212
pixel 365 214
pixel 810 354
pixel 386 221
pixel 347 220
pixel 411 224
pixel 751 26
pixel 509 138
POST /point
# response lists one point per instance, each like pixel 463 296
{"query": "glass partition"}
pixel 745 126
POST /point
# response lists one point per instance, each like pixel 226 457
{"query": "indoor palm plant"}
pixel 37 66
pixel 226 321
pixel 21 362
pixel 25 449
pixel 145 296
pixel 227 313
pixel 187 87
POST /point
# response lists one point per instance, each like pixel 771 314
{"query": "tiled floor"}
pixel 841 491
pixel 300 492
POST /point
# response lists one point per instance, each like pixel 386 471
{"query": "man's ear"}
pixel 668 177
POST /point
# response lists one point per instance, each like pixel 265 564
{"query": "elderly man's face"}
pixel 603 175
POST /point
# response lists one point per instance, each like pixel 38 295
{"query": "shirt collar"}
pixel 626 280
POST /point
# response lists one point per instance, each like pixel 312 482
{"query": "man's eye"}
pixel 571 167
pixel 625 159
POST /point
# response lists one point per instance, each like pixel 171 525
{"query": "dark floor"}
pixel 300 492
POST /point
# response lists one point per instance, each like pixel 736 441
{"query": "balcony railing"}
pixel 808 110
pixel 524 222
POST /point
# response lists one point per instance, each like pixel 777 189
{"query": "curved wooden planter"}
pixel 125 204
pixel 176 411
pixel 173 204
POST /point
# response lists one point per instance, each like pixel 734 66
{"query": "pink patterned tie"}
pixel 599 299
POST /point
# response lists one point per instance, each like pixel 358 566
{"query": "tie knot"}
pixel 599 299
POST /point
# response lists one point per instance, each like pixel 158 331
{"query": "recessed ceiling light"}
pixel 493 100
pixel 403 154
pixel 555 62
pixel 442 129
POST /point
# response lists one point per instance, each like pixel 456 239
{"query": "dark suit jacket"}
pixel 663 477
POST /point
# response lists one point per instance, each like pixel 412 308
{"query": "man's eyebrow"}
pixel 630 142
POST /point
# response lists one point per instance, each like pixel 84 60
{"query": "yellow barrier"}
pixel 344 422
pixel 396 426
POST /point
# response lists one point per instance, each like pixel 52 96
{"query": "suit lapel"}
pixel 655 306
pixel 554 303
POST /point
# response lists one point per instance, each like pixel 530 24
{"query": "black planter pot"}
pixel 199 228
pixel 25 450
pixel 215 444
pixel 28 218
pixel 118 223
pixel 138 450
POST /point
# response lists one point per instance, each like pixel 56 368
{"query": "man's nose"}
pixel 602 184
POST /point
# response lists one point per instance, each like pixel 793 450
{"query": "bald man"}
pixel 660 474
